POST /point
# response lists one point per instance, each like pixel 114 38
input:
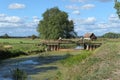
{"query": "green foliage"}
pixel 19 74
pixel 55 24
pixel 72 60
pixel 117 7
pixel 33 37
pixel 6 36
pixel 4 54
pixel 111 35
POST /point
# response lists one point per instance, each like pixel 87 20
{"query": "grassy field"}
pixel 13 47
pixel 100 64
pixel 17 43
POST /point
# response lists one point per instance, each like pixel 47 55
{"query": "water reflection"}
pixel 79 47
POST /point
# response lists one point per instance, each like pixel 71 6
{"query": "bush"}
pixel 4 54
pixel 19 74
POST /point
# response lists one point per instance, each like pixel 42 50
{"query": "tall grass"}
pixel 72 60
pixel 18 74
pixel 103 64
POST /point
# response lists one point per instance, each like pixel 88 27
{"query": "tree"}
pixel 111 35
pixel 6 36
pixel 117 7
pixel 55 24
pixel 33 37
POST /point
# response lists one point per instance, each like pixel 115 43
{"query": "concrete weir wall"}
pixel 87 46
pixel 92 46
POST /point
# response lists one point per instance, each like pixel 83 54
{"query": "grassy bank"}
pixel 15 47
pixel 103 64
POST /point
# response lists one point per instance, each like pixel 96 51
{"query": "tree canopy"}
pixel 111 35
pixel 55 24
pixel 117 7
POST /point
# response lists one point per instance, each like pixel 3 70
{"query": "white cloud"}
pixel 87 21
pixel 77 12
pixel 113 18
pixel 16 6
pixel 76 9
pixel 17 26
pixel 91 24
pixel 15 21
pixel 36 19
pixel 2 15
pixel 10 19
pixel 88 6
pixel 72 7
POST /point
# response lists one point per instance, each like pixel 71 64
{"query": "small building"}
pixel 90 36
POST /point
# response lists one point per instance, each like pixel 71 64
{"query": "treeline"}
pixel 8 36
pixel 111 35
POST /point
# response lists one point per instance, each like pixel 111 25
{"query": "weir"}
pixel 55 46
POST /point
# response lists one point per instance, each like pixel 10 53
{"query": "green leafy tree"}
pixel 6 36
pixel 55 24
pixel 117 7
pixel 33 37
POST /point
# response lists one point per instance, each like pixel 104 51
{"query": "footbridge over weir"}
pixel 56 45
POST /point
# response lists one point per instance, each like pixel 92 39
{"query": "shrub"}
pixel 19 74
pixel 4 54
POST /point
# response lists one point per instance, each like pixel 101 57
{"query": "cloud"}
pixel 18 26
pixel 113 18
pixel 10 21
pixel 72 7
pixel 87 6
pixel 77 12
pixel 87 21
pixel 91 24
pixel 76 9
pixel 16 6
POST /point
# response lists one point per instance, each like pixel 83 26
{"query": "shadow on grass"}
pixel 30 67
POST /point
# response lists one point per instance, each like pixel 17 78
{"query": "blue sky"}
pixel 21 17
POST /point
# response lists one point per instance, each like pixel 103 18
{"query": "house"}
pixel 90 36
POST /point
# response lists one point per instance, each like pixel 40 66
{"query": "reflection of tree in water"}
pixel 117 7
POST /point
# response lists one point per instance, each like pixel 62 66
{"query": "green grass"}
pixel 19 41
pixel 19 46
pixel 76 59
pixel 102 64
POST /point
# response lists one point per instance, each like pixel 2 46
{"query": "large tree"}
pixel 55 24
pixel 117 7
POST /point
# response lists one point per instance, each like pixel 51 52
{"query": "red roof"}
pixel 87 35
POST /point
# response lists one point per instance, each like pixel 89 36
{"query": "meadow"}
pixel 99 64
pixel 19 46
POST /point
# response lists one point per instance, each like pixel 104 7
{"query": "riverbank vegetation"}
pixel 15 47
pixel 103 64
